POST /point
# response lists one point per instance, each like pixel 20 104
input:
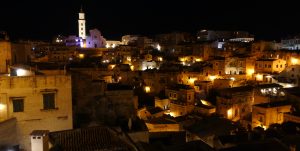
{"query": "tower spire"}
pixel 81 9
pixel 81 24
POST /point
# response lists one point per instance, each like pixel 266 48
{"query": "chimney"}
pixel 39 140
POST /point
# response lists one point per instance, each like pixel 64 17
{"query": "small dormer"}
pixel 39 140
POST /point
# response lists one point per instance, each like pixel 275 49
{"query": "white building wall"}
pixel 95 40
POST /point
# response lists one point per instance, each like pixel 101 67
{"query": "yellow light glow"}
pixel 160 59
pixel 212 78
pixel 294 61
pixel 182 59
pixel 147 89
pixel 264 127
pixel 192 80
pixel 113 66
pixel 129 59
pixel 172 114
pixel 21 72
pixel 229 113
pixel 132 68
pixel 2 107
pixel 232 78
pixel 259 77
pixel 107 46
pixel 205 103
pixel 158 47
pixel 250 71
pixel 81 56
pixel 198 60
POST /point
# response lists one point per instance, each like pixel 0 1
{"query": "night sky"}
pixel 45 18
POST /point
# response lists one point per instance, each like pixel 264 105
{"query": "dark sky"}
pixel 42 19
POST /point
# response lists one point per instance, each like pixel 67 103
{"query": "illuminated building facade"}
pixel 182 99
pixel 269 65
pixel 35 102
pixel 81 25
pixel 264 115
pixel 235 103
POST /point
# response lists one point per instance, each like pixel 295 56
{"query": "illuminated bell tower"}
pixel 81 25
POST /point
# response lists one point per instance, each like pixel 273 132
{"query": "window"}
pixel 81 24
pixel 189 97
pixel 81 28
pixel 280 66
pixel 18 105
pixel 269 66
pixel 174 95
pixel 49 101
pixel 276 66
pixel 293 69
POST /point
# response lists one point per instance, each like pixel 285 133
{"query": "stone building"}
pixel 5 56
pixel 266 114
pixel 269 65
pixel 182 99
pixel 35 102
pixel 235 103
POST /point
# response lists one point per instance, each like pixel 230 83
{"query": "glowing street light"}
pixel 229 113
pixel 2 107
pixel 294 61
pixel 212 78
pixel 21 72
pixel 158 47
pixel 81 56
pixel 259 77
pixel 250 71
pixel 147 89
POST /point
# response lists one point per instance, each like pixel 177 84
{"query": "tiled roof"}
pixel 39 132
pixel 88 139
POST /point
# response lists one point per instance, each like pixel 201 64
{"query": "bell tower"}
pixel 81 25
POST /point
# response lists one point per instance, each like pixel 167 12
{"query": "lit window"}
pixel 49 101
pixel 18 105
